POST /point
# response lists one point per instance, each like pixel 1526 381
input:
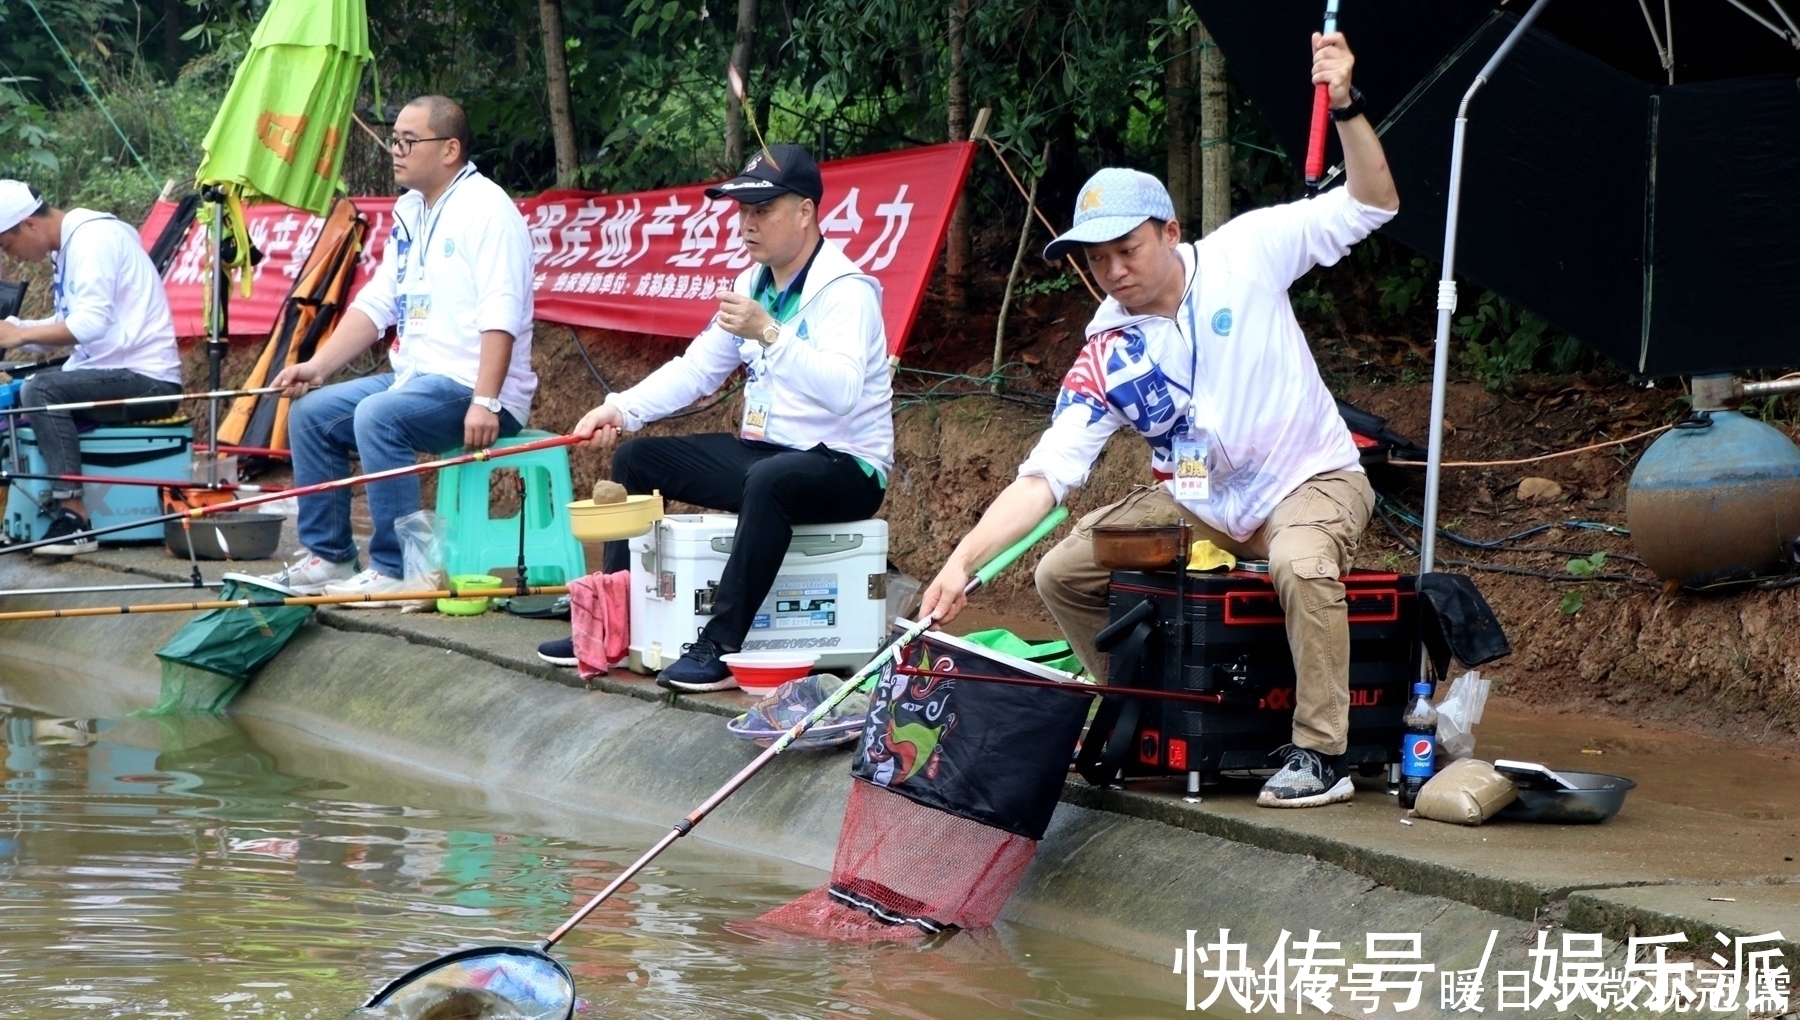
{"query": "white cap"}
pixel 16 203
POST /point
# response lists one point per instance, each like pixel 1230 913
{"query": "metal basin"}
pixel 1596 798
pixel 226 536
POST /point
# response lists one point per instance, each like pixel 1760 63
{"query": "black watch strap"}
pixel 1356 108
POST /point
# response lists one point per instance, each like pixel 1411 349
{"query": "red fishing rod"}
pixel 305 490
pixel 1321 114
pixel 161 483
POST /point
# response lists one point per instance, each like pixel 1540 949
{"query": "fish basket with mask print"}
pixel 955 781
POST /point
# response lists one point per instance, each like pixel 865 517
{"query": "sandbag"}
pixel 1466 792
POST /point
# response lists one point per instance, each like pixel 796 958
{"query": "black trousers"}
pixel 771 488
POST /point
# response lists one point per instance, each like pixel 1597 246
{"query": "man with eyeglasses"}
pixel 455 286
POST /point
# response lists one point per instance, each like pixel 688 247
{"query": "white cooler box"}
pixel 830 597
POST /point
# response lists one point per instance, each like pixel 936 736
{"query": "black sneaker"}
pixel 68 523
pixel 698 670
pixel 1307 779
pixel 560 652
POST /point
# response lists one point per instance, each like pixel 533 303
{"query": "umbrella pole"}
pixel 1446 303
pixel 215 324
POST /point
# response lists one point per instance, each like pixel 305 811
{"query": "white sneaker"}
pixel 369 582
pixel 310 575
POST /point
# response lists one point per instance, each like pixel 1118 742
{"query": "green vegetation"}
pixel 1083 80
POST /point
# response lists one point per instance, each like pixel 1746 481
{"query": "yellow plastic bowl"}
pixel 608 522
pixel 469 606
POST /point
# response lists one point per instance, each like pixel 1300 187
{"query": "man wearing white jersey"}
pixel 455 286
pixel 817 439
pixel 1197 349
pixel 111 308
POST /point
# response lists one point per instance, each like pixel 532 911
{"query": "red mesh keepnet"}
pixel 919 867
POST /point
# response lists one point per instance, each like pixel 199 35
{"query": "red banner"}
pixel 647 262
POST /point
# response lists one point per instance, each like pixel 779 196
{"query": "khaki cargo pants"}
pixel 1309 541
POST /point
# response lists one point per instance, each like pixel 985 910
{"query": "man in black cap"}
pixel 817 438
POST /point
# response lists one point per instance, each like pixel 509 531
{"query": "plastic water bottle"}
pixel 1418 744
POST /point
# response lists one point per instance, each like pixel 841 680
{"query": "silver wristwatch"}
pixel 492 404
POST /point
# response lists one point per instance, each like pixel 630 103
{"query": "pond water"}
pixel 203 867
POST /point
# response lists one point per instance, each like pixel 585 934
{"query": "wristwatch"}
pixel 492 404
pixel 1354 110
pixel 770 334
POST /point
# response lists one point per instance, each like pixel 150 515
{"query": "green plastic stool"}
pixel 479 543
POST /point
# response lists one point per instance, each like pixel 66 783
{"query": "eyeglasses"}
pixel 403 146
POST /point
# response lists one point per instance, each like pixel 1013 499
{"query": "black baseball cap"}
pixel 781 169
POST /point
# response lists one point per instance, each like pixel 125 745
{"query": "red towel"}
pixel 600 609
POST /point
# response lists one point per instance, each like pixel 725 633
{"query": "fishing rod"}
pixel 90 405
pixel 1321 114
pixel 1072 686
pixel 245 451
pixel 304 490
pixel 266 602
pixel 161 483
pixel 92 589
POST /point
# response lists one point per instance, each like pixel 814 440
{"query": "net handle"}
pixel 1011 553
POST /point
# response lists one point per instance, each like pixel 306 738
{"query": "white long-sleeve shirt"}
pixel 471 252
pixel 1232 366
pixel 107 292
pixel 826 378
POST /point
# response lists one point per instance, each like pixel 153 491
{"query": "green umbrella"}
pixel 280 133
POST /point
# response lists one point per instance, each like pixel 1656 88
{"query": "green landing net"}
pixel 210 660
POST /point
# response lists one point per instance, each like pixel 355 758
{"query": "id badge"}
pixel 757 400
pixel 1192 482
pixel 416 313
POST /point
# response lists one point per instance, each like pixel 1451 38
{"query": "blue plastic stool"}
pixel 479 543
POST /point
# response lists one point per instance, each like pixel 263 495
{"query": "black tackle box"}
pixel 1236 652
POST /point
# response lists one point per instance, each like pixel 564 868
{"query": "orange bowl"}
pixel 760 673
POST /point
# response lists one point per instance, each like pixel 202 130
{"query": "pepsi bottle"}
pixel 1418 744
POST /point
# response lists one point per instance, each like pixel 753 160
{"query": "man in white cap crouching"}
pixel 111 308
pixel 1197 349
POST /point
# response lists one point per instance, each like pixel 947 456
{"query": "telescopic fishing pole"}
pixel 99 588
pixel 92 405
pixel 305 490
pixel 267 602
pixel 160 483
pixel 1321 114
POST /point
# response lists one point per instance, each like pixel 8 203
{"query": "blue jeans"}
pixel 386 428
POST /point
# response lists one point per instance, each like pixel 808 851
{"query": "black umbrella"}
pixel 1630 172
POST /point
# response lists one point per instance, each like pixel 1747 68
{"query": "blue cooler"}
pixel 134 451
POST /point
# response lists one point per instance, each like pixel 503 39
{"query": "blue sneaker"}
pixel 699 669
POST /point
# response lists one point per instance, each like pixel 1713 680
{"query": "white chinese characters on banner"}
pixel 569 241
pixel 650 262
pixel 1572 977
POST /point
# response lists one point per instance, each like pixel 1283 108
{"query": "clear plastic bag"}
pixel 424 549
pixel 1459 712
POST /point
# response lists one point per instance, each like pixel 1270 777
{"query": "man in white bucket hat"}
pixel 1196 348
pixel 110 314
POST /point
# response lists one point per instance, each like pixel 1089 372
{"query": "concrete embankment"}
pixel 1132 871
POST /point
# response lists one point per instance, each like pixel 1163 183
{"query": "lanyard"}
pixel 1190 301
pixel 62 253
pixel 435 214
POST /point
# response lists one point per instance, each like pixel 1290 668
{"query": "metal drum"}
pixel 1716 498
